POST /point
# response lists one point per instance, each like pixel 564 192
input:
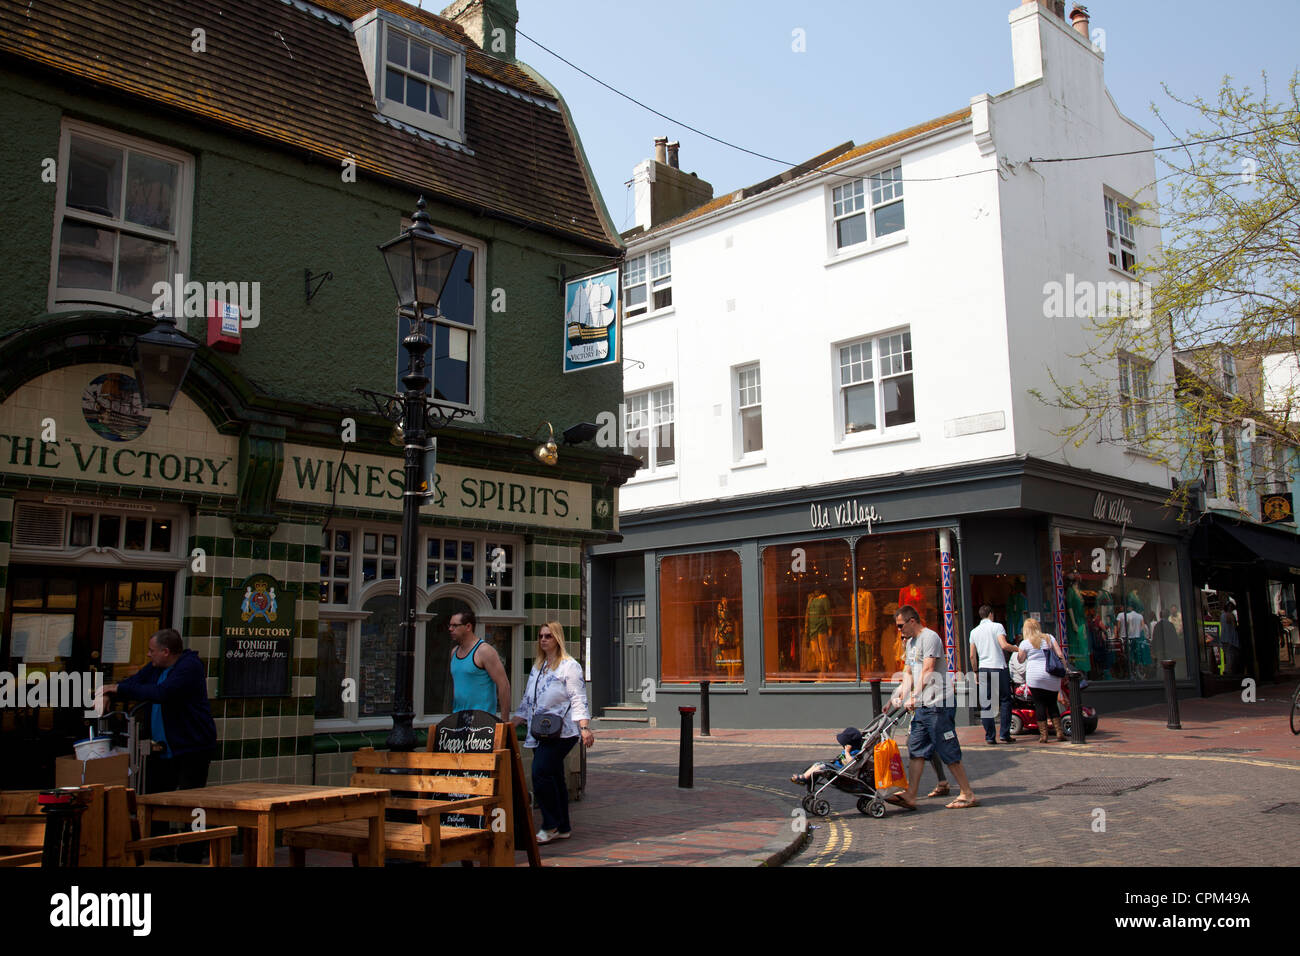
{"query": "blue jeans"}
pixel 997 678
pixel 549 788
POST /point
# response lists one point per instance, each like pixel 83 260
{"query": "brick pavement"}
pixel 1209 808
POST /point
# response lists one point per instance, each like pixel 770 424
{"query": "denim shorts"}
pixel 933 732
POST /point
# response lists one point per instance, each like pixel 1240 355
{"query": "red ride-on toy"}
pixel 1025 721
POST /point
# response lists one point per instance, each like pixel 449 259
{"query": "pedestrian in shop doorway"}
pixel 988 653
pixel 1228 636
pixel 921 691
pixel 478 678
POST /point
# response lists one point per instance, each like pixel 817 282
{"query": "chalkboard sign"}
pixel 257 629
pixel 467 732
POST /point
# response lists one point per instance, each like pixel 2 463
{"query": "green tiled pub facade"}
pixel 92 561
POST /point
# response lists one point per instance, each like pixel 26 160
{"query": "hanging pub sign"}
pixel 1275 508
pixel 257 625
pixel 591 321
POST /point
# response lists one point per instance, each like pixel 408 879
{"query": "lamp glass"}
pixel 419 264
pixel 161 359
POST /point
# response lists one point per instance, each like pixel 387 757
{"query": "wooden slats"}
pixel 20 834
pixel 423 760
pixel 19 803
pixel 22 859
pixel 427 783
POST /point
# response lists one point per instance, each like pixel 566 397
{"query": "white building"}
pixel 836 409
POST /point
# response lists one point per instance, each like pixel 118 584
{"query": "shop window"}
pixel 701 618
pixel 1123 609
pixel 894 570
pixel 500 557
pixel 331 668
pixel 808 612
pixel 377 688
pixel 335 566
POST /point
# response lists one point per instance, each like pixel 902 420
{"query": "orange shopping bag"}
pixel 889 766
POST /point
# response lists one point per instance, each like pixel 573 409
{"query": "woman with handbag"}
pixel 554 709
pixel 1037 651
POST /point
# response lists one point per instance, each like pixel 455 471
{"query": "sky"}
pixel 731 68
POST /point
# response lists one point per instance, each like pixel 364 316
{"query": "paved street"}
pixel 1237 804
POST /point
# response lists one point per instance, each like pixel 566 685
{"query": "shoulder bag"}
pixel 546 724
pixel 1051 661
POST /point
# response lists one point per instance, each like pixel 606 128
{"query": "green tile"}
pixel 294 553
pixel 286 746
pixel 269 747
pixel 235 707
pixel 303 746
pixel 243 548
pixel 311 554
pixel 253 707
pixel 529 603
pixel 261 549
pixel 231 749
pixel 250 748
pixel 225 547
pixel 306 667
pixel 279 550
pixel 271 707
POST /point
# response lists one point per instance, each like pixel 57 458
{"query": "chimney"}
pixel 489 23
pixel 661 191
pixel 1051 6
pixel 1079 19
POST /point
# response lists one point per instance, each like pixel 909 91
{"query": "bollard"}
pixel 1076 706
pixel 876 703
pixel 64 808
pixel 686 755
pixel 704 708
pixel 1171 696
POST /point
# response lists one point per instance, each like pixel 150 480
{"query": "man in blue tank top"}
pixel 476 670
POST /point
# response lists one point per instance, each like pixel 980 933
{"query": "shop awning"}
pixel 1222 540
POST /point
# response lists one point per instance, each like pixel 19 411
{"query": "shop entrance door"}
pixel 1007 595
pixel 82 621
pixel 630 630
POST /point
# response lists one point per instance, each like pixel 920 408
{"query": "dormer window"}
pixel 416 74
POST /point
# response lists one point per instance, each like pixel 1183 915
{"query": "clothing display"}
pixel 911 595
pixel 817 628
pixel 868 635
pixel 1076 631
pixel 1017 604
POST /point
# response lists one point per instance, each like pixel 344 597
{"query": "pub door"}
pixel 68 620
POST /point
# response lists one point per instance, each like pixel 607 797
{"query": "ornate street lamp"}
pixel 161 358
pixel 419 263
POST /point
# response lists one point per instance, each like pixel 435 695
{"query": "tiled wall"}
pixel 265 739
pixel 553 582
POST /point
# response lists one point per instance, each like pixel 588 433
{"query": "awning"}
pixel 1220 540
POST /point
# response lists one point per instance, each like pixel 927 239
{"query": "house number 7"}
pixel 997 555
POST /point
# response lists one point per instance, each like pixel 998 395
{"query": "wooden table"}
pixel 263 808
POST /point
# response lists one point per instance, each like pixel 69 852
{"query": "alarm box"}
pixel 223 325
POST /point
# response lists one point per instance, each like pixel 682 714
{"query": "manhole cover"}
pixel 1290 808
pixel 1105 786
pixel 1227 750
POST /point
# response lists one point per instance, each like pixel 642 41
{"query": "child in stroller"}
pixel 852 770
pixel 850 738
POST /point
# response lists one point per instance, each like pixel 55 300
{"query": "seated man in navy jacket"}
pixel 184 736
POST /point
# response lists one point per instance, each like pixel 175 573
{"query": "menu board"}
pixel 42 638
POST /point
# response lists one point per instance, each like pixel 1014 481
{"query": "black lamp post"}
pixel 161 358
pixel 419 262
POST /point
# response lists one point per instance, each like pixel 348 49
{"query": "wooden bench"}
pixel 109 836
pixel 426 777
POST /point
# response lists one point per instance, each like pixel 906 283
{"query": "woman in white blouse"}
pixel 1042 685
pixel 555 686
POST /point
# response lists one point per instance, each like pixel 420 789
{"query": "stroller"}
pixel 858 776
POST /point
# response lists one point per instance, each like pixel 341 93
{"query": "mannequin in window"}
pixel 724 632
pixel 1076 629
pixel 817 629
pixel 868 635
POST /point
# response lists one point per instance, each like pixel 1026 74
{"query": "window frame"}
pixel 877 380
pixel 372 31
pixel 870 202
pixel 654 286
pixel 740 407
pixel 1128 401
pixel 651 426
pixel 1120 232
pixel 361 591
pixel 59 299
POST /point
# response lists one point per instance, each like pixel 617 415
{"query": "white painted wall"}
pixel 760 281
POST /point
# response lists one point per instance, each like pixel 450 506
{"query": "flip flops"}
pixel 961 803
pixel 898 801
pixel 942 790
